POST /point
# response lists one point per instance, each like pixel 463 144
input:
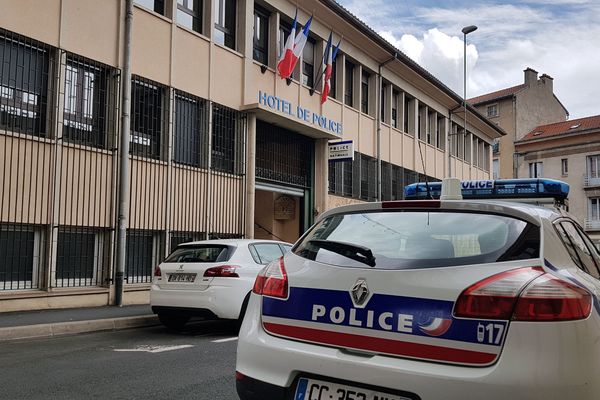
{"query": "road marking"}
pixel 156 349
pixel 231 339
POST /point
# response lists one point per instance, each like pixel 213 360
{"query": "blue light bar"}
pixel 498 189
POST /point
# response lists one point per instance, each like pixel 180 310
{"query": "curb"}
pixel 75 327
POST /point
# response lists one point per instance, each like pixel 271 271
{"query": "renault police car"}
pixel 431 300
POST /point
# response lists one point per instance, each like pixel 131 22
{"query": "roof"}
pixel 235 242
pixel 564 128
pixel 497 95
pixel 399 55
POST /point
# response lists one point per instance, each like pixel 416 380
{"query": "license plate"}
pixel 311 389
pixel 182 278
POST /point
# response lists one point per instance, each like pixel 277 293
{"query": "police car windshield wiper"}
pixel 353 251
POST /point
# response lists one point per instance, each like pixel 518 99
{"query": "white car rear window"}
pixel 199 254
pixel 418 239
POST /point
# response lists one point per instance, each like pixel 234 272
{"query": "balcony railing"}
pixel 590 181
pixel 592 224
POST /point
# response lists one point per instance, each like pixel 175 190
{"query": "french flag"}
pixel 330 54
pixel 293 48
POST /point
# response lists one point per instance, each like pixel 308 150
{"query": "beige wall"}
pixel 287 230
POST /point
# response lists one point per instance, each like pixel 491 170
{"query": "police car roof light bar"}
pixel 495 189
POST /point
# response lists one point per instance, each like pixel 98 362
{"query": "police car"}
pixel 430 300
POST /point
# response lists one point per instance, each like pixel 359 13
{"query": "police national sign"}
pixel 341 151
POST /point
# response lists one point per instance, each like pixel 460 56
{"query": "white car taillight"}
pixel 157 272
pixel 222 271
pixel 524 294
pixel 272 280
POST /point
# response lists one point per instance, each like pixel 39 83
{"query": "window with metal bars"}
pixel 81 257
pixel 147 118
pixel 178 238
pixel 368 178
pixel 386 181
pixel 397 183
pixel 158 6
pixel 21 254
pixel 142 254
pixel 24 66
pixel 89 102
pixel 189 14
pixel 340 178
pixel 283 156
pixel 190 145
pixel 228 133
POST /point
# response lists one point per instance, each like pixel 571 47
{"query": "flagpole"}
pixel 319 73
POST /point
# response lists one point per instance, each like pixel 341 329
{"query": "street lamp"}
pixel 466 30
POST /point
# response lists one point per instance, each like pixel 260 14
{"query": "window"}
pixel 593 167
pixel 368 178
pixel 364 93
pixel 225 22
pixel 80 257
pixel 260 48
pixel 20 252
pixel 577 248
pixel 189 14
pixel 594 209
pixel 146 118
pixel 308 63
pixel 284 33
pixel 416 239
pixel 23 86
pixel 496 169
pixel 407 107
pixel 340 178
pixel 141 255
pixel 200 253
pixel 264 253
pixel 158 6
pixel 333 80
pixel 226 127
pixel 191 130
pixel 178 238
pixel 439 136
pixel 85 98
pixel 564 167
pixel 395 100
pixel 349 85
pixel 536 169
pixel 492 110
pixel 382 104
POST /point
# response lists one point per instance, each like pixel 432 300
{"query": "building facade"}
pixel 569 151
pixel 220 145
pixel 518 110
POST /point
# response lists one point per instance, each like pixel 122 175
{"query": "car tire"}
pixel 173 322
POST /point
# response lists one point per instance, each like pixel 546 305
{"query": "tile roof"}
pixel 496 95
pixel 563 128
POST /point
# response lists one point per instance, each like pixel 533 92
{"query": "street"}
pixel 149 363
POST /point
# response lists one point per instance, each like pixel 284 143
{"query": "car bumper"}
pixel 224 302
pixel 533 366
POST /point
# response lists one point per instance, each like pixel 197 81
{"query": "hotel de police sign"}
pixel 303 114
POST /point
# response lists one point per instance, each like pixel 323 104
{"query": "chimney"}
pixel 531 76
pixel 547 81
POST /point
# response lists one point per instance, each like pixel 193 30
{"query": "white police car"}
pixel 430 300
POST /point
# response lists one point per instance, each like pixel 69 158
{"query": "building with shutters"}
pixel 220 145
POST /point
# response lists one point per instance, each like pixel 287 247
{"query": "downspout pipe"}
pixel 379 105
pixel 123 194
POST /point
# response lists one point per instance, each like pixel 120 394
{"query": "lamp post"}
pixel 466 30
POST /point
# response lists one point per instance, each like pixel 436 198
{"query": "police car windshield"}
pixel 421 239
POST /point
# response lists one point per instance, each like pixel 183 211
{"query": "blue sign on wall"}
pixel 303 114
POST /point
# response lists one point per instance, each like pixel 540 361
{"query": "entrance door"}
pixel 284 183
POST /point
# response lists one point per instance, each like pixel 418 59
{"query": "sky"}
pixel 560 38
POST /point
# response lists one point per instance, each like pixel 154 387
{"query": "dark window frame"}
pixel 365 78
pixel 195 12
pixel 147 121
pixel 260 44
pixel 308 68
pixel 349 69
pixel 226 22
pixel 190 130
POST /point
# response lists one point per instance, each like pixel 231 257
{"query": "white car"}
pixel 210 279
pixel 429 300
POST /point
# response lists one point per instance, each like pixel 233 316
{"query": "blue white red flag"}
pixel 294 46
pixel 330 55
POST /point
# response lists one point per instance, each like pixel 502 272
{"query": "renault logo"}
pixel 181 267
pixel 360 292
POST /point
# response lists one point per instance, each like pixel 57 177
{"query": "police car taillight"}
pixel 272 280
pixel 549 298
pixel 524 294
pixel 495 297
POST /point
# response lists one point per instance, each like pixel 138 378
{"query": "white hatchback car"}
pixel 429 300
pixel 210 279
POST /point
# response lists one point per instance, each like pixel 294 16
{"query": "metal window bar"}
pixel 143 252
pixel 26 123
pixel 82 257
pixel 190 130
pixel 148 122
pixel 386 181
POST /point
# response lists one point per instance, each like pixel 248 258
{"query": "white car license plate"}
pixel 182 278
pixel 311 389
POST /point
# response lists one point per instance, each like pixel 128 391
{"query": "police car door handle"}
pixel 355 252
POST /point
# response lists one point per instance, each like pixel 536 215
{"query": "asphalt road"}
pixel 149 363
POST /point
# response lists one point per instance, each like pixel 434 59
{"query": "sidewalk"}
pixel 48 323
